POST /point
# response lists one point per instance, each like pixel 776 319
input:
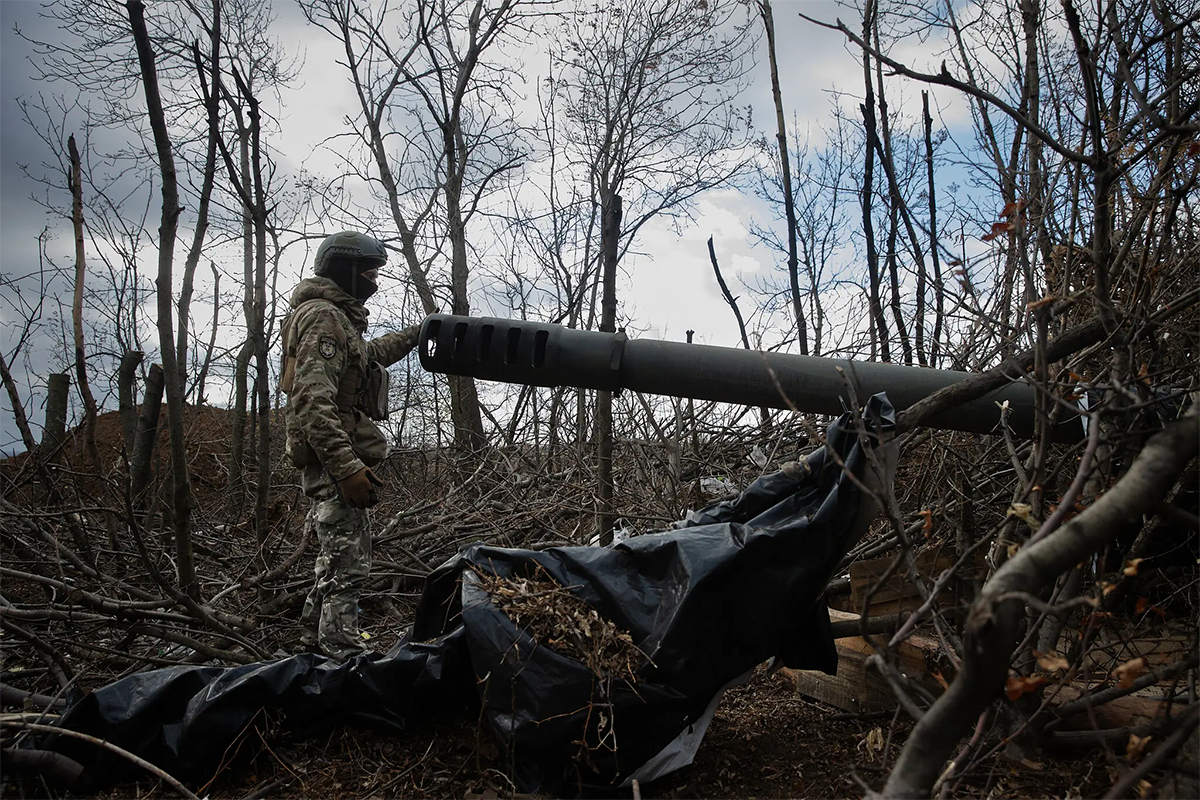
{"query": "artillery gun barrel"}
pixel 543 354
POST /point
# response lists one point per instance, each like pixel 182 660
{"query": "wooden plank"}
pixel 1127 711
pixel 899 592
pixel 1105 656
pixel 857 688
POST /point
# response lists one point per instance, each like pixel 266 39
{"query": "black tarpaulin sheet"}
pixel 735 584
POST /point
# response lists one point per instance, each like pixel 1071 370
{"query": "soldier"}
pixel 336 384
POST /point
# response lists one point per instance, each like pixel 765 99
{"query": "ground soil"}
pixel 764 742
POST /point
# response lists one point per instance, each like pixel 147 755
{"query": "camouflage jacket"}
pixel 325 360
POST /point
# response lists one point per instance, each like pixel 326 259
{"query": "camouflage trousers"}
pixel 330 616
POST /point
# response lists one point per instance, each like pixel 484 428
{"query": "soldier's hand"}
pixel 358 489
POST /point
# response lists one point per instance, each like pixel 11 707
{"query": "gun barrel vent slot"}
pixel 460 341
pixel 514 341
pixel 539 348
pixel 431 337
pixel 485 342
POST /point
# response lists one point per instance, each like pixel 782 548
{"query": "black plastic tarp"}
pixel 734 585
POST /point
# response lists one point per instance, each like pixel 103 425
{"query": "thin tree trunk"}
pixel 142 451
pixel 130 360
pixel 258 321
pixel 202 376
pixel 241 380
pixel 54 437
pixel 691 406
pixel 764 413
pixel 785 174
pixel 212 105
pixel 81 376
pixel 14 400
pixel 897 211
pixel 879 324
pixel 939 296
pixel 237 434
pixel 262 368
pixel 54 432
pixel 182 494
pixel 893 270
pixel 468 424
pixel 610 232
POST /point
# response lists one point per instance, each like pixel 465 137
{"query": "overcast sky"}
pixel 670 287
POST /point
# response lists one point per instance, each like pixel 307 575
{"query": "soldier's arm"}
pixel 321 353
pixel 391 347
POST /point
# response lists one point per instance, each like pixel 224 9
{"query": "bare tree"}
pixel 821 190
pixel 785 175
pixel 648 116
pixel 254 65
pixel 182 494
pixel 81 377
pixel 427 79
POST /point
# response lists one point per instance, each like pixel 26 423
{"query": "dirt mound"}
pixel 207 430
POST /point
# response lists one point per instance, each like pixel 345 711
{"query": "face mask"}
pixel 366 284
pixel 358 282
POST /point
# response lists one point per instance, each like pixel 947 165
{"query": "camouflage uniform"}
pixel 330 437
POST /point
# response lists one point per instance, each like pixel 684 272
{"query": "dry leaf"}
pixel 937 676
pixel 1018 685
pixel 1131 566
pixel 1130 671
pixel 1052 662
pixel 927 526
pixel 1133 750
pixel 1107 588
pixel 873 741
pixel 1012 207
pixel 1024 511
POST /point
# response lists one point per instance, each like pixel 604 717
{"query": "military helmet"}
pixel 348 244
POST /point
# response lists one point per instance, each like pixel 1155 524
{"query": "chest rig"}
pixel 364 384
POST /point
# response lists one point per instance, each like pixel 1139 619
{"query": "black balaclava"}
pixel 347 273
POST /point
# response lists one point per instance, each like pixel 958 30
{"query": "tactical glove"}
pixel 358 489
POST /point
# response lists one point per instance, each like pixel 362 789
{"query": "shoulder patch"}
pixel 327 346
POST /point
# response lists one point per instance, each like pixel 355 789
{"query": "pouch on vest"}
pixel 375 397
pixel 288 380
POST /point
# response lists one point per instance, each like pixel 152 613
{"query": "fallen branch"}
pixel 123 753
pixel 55 766
pixel 1113 692
pixel 12 696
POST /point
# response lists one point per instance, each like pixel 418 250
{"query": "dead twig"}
pixel 123 753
